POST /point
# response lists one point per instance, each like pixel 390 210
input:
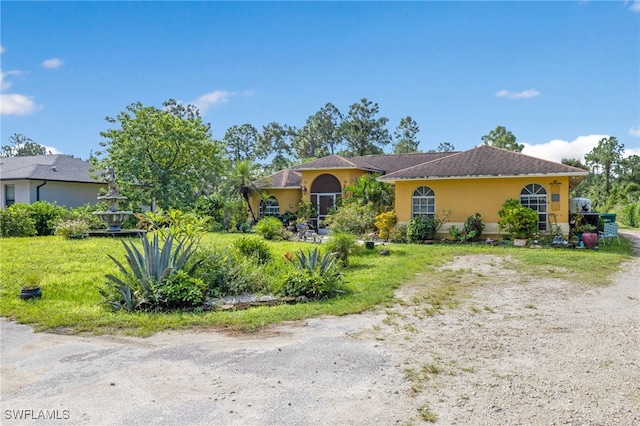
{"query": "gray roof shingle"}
pixel 484 161
pixel 283 179
pixel 382 163
pixel 55 167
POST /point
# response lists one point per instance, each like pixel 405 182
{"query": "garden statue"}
pixel 112 186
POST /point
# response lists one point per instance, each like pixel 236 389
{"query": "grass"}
pixel 72 271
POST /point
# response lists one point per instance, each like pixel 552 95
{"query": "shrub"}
pixel 72 228
pixel 254 248
pixel 46 215
pixel 630 215
pixel 399 234
pixel 270 228
pixel 315 277
pixel 213 207
pixel 352 218
pixel 471 231
pixel 15 221
pixel 225 274
pixel 180 290
pixel 85 214
pixel 385 223
pixel 176 223
pixel 422 228
pixel 343 245
pixel 517 220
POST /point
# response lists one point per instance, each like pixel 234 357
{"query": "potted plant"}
pixel 577 225
pixel 31 287
pixel 518 221
pixel 369 242
pixel 589 235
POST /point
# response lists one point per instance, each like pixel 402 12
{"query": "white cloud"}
pixel 51 149
pixel 558 149
pixel 635 131
pixel 525 94
pixel 4 85
pixel 207 100
pixel 13 104
pixel 52 63
pixel 635 6
pixel 2 49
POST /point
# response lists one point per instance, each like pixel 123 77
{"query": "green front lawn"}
pixel 72 271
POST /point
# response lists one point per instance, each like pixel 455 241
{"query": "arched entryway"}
pixel 325 193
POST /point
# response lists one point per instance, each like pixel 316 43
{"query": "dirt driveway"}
pixel 517 351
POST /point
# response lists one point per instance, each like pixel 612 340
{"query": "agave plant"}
pixel 315 276
pixel 150 266
pixel 313 262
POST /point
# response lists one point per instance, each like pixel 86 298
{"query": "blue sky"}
pixel 559 75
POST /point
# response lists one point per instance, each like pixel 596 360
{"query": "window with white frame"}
pixel 534 196
pixel 9 195
pixel 423 202
pixel 271 207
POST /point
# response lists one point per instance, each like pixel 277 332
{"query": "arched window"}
pixel 270 207
pixel 423 202
pixel 535 196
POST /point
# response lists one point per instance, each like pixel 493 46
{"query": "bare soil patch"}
pixel 523 351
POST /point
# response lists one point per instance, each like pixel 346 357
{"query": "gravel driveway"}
pixel 516 351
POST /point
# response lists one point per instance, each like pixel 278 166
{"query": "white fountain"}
pixel 112 217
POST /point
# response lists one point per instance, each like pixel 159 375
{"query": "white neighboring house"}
pixel 57 178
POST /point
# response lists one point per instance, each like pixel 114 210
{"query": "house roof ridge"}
pixel 54 167
pixel 508 151
pixel 428 162
pixel 484 160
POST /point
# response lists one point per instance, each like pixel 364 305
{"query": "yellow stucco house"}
pixel 479 180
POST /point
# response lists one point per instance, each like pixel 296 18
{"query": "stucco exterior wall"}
pixel 67 194
pixel 22 191
pixel 287 199
pixel 465 197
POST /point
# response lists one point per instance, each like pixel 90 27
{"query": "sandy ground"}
pixel 516 351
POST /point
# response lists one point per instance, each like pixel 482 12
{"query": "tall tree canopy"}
pixel 605 156
pixel 320 135
pixel 446 147
pixel 502 138
pixel 406 136
pixel 274 143
pixel 21 146
pixel 163 154
pixel 241 142
pixel 363 132
pixel 574 162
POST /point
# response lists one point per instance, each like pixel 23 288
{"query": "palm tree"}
pixel 242 179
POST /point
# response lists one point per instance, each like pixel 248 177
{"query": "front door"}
pixel 325 192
